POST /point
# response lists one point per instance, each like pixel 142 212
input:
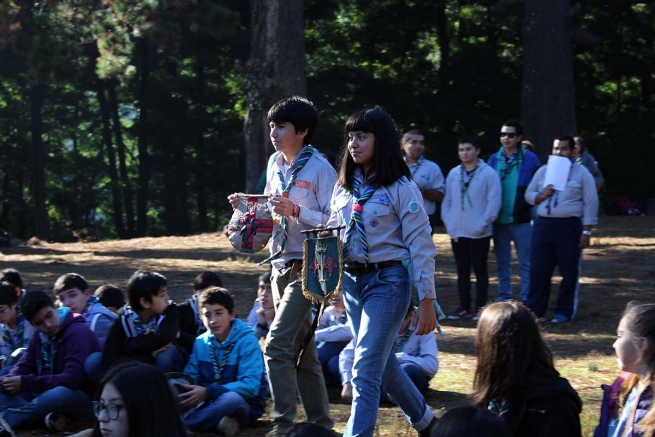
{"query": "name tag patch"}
pixel 303 184
pixel 380 198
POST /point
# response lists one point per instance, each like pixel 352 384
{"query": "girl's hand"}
pixel 426 319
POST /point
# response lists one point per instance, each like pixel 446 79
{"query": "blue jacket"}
pixel 244 372
pixel 610 401
pixel 529 167
pixel 99 319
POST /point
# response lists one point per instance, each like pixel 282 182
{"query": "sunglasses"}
pixel 508 134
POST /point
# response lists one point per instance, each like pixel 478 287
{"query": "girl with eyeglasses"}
pixel 135 401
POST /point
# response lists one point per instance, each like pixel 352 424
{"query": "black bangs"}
pixel 361 122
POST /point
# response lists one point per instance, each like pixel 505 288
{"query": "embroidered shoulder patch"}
pixel 302 184
pixel 413 206
pixel 380 198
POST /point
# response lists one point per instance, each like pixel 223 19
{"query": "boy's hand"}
pixel 426 319
pixel 160 350
pixel 194 396
pixel 11 384
pixel 281 205
pixel 234 200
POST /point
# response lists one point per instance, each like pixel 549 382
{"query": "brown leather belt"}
pixel 357 268
pixel 296 268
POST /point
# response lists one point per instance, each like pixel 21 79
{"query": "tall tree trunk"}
pixel 548 96
pixel 40 212
pixel 111 161
pixel 275 69
pixel 144 158
pixel 122 166
pixel 199 163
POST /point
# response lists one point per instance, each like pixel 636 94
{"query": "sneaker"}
pixel 56 422
pixel 5 429
pixel 559 318
pixel 542 320
pixel 459 313
pixel 476 317
pixel 228 426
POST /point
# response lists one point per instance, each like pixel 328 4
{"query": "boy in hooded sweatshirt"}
pixel 471 204
pixel 228 367
pixel 48 381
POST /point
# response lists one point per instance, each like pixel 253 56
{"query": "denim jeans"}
pixel 25 408
pixel 377 304
pixel 419 379
pixel 328 355
pixel 521 235
pixel 227 404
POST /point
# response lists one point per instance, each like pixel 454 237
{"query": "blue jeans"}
pixel 377 304
pixel 227 404
pixel 521 235
pixel 25 408
pixel 328 355
pixel 419 379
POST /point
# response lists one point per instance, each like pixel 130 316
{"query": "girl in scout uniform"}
pixel 387 246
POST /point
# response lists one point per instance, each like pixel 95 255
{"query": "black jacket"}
pixel 189 329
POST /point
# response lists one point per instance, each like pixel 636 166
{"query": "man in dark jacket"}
pixel 49 377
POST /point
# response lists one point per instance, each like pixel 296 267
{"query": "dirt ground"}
pixel 618 267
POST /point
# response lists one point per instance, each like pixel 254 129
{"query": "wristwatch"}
pixel 586 232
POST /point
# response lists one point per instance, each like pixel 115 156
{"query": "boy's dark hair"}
pixel 569 139
pixel 411 132
pixel 516 125
pixel 144 284
pixel 298 111
pixel 70 281
pixel 469 140
pixel 388 162
pixel 13 277
pixel 8 294
pixel 265 277
pixel 217 296
pixel 205 280
pixel 110 295
pixel 33 302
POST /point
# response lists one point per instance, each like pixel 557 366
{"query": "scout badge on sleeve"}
pixel 251 224
pixel 322 270
pixel 322 265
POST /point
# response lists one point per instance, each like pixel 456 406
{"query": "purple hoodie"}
pixel 77 343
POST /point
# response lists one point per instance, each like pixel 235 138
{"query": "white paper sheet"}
pixel 557 172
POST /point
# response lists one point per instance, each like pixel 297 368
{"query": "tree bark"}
pixel 548 93
pixel 144 158
pixel 122 166
pixel 111 161
pixel 275 69
pixel 41 224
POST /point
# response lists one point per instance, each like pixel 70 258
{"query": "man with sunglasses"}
pixel 515 166
pixel 562 230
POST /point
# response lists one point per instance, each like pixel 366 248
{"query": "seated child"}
pixel 48 381
pixel 263 311
pixel 16 332
pixel 515 377
pixel 628 408
pixel 73 292
pixel 146 329
pixel 191 325
pixel 228 366
pixel 332 334
pixel 111 296
pixel 13 277
pixel 416 355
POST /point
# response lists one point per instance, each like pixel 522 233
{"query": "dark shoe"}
pixel 228 426
pixel 427 432
pixel 459 313
pixel 5 429
pixel 56 422
pixel 478 312
pixel 559 319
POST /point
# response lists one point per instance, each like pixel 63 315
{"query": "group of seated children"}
pixel 47 347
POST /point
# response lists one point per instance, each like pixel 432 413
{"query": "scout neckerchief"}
pixel 49 346
pixel 465 178
pixel 193 303
pixel 134 327
pixel 219 367
pixel 499 408
pixel 508 163
pixel 89 304
pixel 356 218
pixel 399 341
pixel 341 320
pixel 413 168
pixel 298 165
pixel 8 339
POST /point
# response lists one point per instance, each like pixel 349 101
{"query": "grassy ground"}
pixel 618 268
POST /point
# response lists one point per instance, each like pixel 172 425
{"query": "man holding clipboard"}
pixel 568 208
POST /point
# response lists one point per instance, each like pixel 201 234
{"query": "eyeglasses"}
pixel 508 134
pixel 112 410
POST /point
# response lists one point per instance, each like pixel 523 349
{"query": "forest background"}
pixel 128 118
